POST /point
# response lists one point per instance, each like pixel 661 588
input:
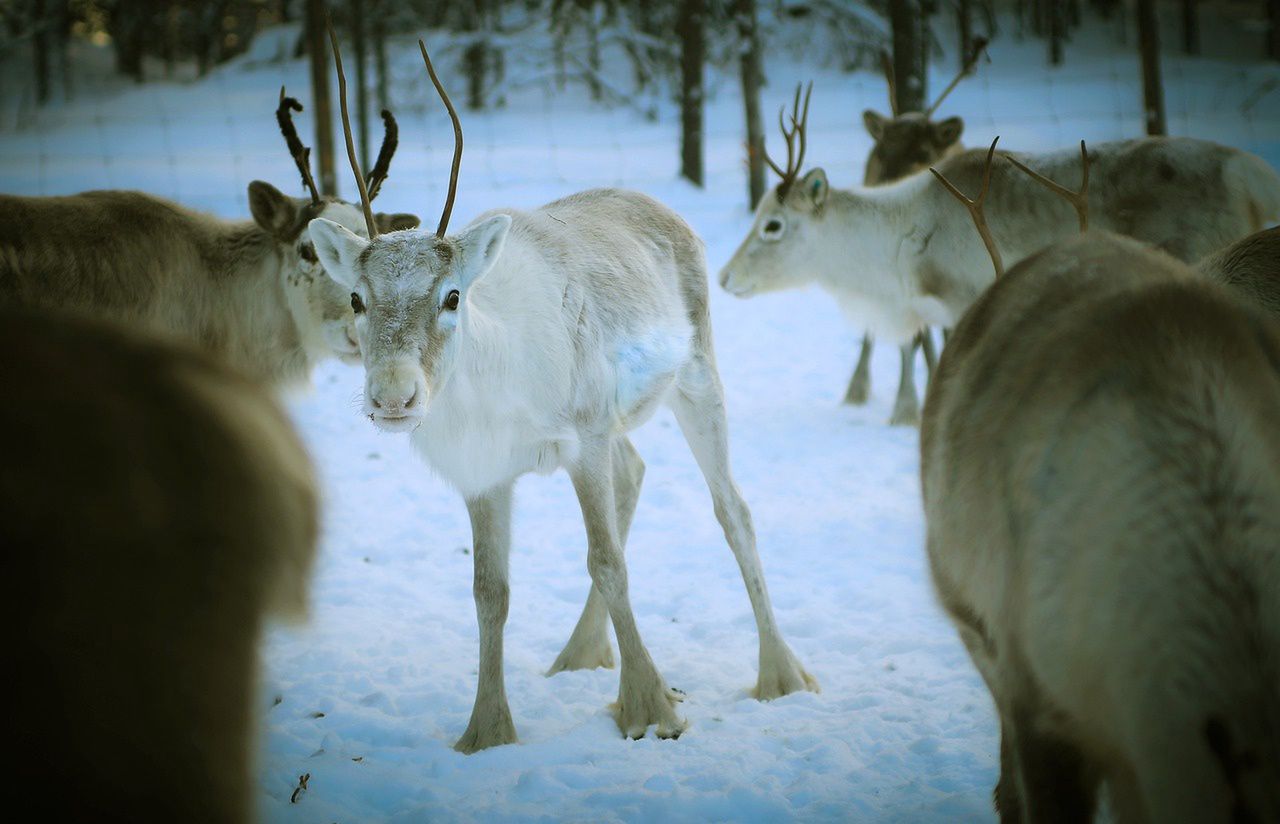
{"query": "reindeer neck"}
pixel 247 316
pixel 861 231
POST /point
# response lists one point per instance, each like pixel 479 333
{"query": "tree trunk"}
pixel 1057 14
pixel 906 19
pixel 964 25
pixel 1190 27
pixel 475 57
pixel 321 106
pixel 691 29
pixel 593 53
pixel 380 54
pixel 1273 34
pixel 1152 86
pixel 356 10
pixel 744 12
pixel 41 23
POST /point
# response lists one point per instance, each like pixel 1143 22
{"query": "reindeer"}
pixel 155 507
pixel 900 257
pixel 903 144
pixel 1098 461
pixel 535 340
pixel 1251 267
pixel 251 292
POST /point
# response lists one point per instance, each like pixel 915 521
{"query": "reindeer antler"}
pixel 975 207
pixel 799 122
pixel 891 77
pixel 1079 199
pixel 346 131
pixel 301 154
pixel 390 141
pixel 457 142
pixel 979 46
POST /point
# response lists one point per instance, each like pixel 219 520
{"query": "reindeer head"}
pixel 907 143
pixel 408 289
pixel 910 142
pixel 776 253
pixel 321 306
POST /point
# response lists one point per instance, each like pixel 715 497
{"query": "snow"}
pixel 375 689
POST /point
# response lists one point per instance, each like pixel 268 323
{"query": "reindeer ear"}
pixel 874 123
pixel 479 247
pixel 395 222
pixel 273 210
pixel 814 187
pixel 338 248
pixel 947 132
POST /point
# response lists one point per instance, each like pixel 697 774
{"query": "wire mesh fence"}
pixel 200 143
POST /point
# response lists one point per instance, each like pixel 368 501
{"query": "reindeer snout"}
pixel 395 403
pixel 395 398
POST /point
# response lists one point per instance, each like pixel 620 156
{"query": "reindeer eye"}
pixel 308 253
pixel 451 301
pixel 357 305
pixel 772 230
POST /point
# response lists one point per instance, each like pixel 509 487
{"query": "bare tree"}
pixel 691 29
pixel 1190 26
pixel 744 13
pixel 355 9
pixel 1056 13
pixel 317 48
pixel 40 27
pixel 906 19
pixel 1152 85
pixel 1273 34
pixel 964 24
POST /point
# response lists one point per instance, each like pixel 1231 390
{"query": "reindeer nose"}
pixel 393 402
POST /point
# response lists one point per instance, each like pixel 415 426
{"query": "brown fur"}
pixel 1251 268
pixel 154 507
pixel 1099 462
pixel 237 289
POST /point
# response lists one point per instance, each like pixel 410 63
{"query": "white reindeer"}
pixel 901 257
pixel 533 341
pixel 251 292
pixel 902 145
pixel 155 508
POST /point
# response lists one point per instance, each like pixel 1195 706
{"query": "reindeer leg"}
pixel 588 647
pixel 1056 782
pixel 643 695
pixel 490 723
pixel 860 384
pixel 698 403
pixel 906 409
pixel 930 353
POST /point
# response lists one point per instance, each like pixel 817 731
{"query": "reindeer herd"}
pixel 1100 443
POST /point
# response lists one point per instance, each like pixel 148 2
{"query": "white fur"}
pixel 574 323
pixel 904 255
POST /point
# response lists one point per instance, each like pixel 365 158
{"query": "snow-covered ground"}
pixel 370 695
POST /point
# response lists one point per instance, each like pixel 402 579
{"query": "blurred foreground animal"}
pixel 1251 268
pixel 251 292
pixel 535 340
pixel 154 508
pixel 902 256
pixel 1100 456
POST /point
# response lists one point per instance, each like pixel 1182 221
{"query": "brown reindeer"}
pixel 251 292
pixel 1251 267
pixel 1099 456
pixel 155 507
